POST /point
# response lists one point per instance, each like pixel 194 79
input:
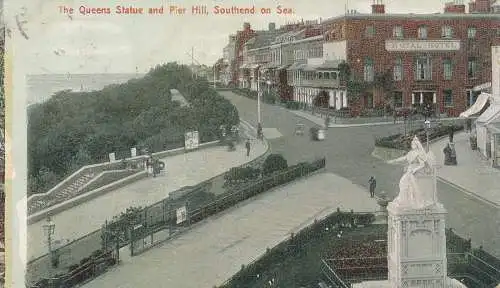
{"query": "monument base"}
pixel 450 283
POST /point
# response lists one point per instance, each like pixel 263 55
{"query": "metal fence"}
pixel 258 270
pixel 67 255
pixel 165 219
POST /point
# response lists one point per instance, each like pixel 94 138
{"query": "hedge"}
pixel 402 142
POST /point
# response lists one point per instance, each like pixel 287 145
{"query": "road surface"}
pixel 348 154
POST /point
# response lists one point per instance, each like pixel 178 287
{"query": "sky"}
pixel 115 43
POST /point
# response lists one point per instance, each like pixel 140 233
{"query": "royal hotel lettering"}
pixel 391 45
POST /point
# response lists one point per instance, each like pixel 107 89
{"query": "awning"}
pixel 491 115
pixel 253 66
pixel 481 101
pixel 329 65
pixel 296 66
pixel 283 67
pixel 244 66
pixel 309 67
pixel 482 87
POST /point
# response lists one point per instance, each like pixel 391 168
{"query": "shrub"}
pixel 274 163
pixel 241 174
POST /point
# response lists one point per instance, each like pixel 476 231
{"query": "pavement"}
pixel 348 154
pixel 181 170
pixel 473 173
pixel 214 250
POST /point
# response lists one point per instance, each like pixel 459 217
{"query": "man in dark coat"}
pixel 469 125
pixel 451 132
pixel 373 185
pixel 247 145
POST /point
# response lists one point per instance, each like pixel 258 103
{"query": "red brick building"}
pixel 433 59
pixel 241 38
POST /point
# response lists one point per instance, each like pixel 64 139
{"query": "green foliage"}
pixel 73 129
pixel 292 105
pixel 355 88
pixel 274 163
pixel 402 142
pixel 241 174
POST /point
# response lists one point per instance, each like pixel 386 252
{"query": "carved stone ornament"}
pixel 418 162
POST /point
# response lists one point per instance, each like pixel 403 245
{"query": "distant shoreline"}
pixel 41 87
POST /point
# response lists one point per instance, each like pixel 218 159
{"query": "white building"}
pixel 228 60
pixel 488 123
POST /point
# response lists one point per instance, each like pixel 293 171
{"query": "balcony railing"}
pixel 319 83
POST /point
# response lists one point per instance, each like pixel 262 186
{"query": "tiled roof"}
pixel 428 16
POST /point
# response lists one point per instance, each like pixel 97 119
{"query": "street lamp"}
pixel 258 94
pixel 49 229
pixel 427 128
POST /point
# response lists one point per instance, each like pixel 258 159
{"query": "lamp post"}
pixel 258 94
pixel 214 77
pixel 49 229
pixel 427 128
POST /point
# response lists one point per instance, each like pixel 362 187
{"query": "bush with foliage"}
pixel 238 175
pixel 402 142
pixel 274 163
pixel 74 129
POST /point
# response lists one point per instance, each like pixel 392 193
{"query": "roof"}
pixel 262 39
pixel 330 64
pixel 480 103
pixel 427 16
pixel 491 115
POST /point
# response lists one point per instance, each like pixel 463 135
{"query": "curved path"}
pixel 182 170
pixel 348 154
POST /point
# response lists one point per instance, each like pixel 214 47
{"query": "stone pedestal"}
pixel 417 246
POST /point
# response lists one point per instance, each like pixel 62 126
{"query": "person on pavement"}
pixel 373 185
pixel 247 145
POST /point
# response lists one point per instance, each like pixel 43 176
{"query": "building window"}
pixel 472 67
pixel 369 71
pixel 447 69
pixel 471 32
pixel 472 97
pixel 448 98
pixel 369 100
pixel 446 32
pixel 370 31
pixel 397 32
pixel 397 99
pixel 398 70
pixel 422 32
pixel 334 75
pixel 423 69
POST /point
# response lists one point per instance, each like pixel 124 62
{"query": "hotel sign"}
pixel 422 45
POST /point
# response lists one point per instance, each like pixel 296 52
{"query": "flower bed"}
pixel 402 142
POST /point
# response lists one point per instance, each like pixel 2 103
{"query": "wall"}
pixel 495 70
pixel 335 50
pixel 360 46
pixel 85 197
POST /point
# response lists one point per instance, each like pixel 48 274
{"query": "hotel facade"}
pixel 430 59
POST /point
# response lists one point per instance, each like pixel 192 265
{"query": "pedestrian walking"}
pixel 469 125
pixel 373 185
pixel 451 132
pixel 259 131
pixel 247 145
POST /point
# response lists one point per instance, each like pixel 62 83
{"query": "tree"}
pixel 385 83
pixel 274 163
pixel 73 129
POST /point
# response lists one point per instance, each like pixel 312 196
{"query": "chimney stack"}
pixel 272 26
pixel 454 7
pixel 246 26
pixel 378 7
